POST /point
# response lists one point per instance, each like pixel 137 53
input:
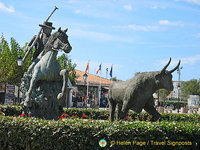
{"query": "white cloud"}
pixel 128 7
pixel 191 60
pixel 157 7
pixel 139 27
pixel 99 36
pixel 184 61
pixel 167 22
pixel 190 1
pixel 9 9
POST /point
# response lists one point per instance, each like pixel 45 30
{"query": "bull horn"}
pixel 163 70
pixel 65 30
pixel 175 67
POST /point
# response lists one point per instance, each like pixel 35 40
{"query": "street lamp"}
pixel 19 63
pixel 85 76
pixel 179 86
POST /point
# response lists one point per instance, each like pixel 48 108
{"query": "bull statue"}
pixel 137 93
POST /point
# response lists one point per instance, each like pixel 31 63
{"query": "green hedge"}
pixel 104 114
pixel 11 110
pixel 30 133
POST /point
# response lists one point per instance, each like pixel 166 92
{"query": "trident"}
pixel 34 42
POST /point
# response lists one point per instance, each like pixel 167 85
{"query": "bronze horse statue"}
pixel 46 69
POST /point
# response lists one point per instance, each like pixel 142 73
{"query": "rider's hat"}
pixel 47 24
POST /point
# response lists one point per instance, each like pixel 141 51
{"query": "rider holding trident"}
pixel 39 41
pixel 42 40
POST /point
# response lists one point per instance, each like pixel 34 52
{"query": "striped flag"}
pixel 98 69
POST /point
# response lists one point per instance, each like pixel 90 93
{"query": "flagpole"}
pixel 87 82
pixel 100 85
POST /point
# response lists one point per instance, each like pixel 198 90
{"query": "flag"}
pixel 87 67
pixel 111 71
pixel 98 69
pixel 106 72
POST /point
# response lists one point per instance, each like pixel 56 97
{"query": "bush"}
pixel 73 134
pixel 104 114
pixel 11 110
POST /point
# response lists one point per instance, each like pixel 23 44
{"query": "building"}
pixel 94 86
pixel 177 93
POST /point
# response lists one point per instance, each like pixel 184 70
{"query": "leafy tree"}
pixel 10 72
pixel 66 63
pixel 191 87
pixel 162 93
pixel 114 79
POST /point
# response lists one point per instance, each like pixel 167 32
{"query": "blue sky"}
pixel 133 35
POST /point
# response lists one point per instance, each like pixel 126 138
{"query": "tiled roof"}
pixel 93 79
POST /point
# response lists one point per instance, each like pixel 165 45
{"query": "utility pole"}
pixel 179 85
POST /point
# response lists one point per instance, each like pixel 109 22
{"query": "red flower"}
pixel 0 111
pixel 29 115
pixel 63 113
pixel 131 117
pixel 83 115
pixel 62 117
pixel 58 117
pixel 142 118
pixel 127 117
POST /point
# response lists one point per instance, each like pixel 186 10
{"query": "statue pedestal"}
pixel 43 102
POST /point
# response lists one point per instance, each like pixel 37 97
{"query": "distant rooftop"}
pixel 94 80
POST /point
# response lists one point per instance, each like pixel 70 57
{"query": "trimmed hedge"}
pixel 104 114
pixel 11 110
pixel 31 133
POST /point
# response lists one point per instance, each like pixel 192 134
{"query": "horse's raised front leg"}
pixel 34 79
pixel 62 96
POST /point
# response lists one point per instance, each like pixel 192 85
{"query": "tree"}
pixel 162 93
pixel 113 79
pixel 66 63
pixel 9 70
pixel 191 87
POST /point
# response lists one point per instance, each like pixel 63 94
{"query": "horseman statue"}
pixel 44 85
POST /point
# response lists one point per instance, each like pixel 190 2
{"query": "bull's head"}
pixel 164 77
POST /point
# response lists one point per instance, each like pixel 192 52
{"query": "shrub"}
pixel 104 114
pixel 11 110
pixel 73 134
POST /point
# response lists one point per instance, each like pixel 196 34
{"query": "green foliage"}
pixel 162 93
pixel 66 63
pixel 191 87
pixel 73 134
pixel 9 70
pixel 11 110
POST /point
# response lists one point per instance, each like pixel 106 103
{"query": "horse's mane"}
pixel 49 44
